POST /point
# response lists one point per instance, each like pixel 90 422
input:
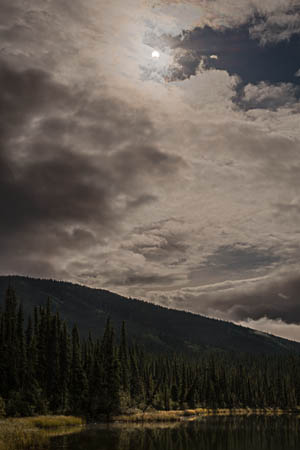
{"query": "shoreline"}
pixel 25 433
pixel 193 414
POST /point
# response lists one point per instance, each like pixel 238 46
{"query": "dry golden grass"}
pixel 14 436
pixel 47 422
pixel 32 433
pixel 178 415
pixel 153 416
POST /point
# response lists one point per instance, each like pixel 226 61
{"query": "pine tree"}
pixel 137 392
pixel 21 352
pixel 78 380
pixel 10 369
pixel 53 369
pixel 183 388
pixel 96 381
pixel 124 360
pixel 65 369
pixel 111 372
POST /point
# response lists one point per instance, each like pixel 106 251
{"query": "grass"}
pixel 46 422
pixel 178 415
pixel 32 433
pixel 155 416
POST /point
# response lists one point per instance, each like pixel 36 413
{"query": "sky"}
pixel 174 179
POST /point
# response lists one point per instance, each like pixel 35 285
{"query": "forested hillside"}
pixel 46 368
pixel 158 329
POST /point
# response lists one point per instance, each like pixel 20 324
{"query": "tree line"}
pixel 47 368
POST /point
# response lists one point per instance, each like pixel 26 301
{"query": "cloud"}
pixel 231 50
pixel 65 184
pixel 185 192
pixel 269 96
pixel 159 242
pixel 239 259
pixel 268 21
pixel 209 88
pixel 279 26
pixel 273 297
pixel 132 278
pixel 185 65
pixel 275 327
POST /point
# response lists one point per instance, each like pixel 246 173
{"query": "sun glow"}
pixel 155 54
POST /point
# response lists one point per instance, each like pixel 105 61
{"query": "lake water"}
pixel 211 433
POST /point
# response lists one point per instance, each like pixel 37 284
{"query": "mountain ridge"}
pixel 156 327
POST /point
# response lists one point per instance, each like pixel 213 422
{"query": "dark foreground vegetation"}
pixel 45 368
pixel 29 433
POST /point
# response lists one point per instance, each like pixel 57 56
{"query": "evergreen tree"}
pixel 45 370
pixel 78 380
pixel 124 360
pixel 65 369
pixel 111 372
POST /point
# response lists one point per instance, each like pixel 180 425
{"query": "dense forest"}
pixel 47 368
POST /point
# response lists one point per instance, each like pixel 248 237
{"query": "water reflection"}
pixel 212 433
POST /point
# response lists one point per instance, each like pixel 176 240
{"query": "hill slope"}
pixel 158 328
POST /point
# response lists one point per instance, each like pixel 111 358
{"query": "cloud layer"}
pixel 173 179
pixel 67 178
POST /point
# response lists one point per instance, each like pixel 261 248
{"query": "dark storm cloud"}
pixel 274 298
pixel 239 258
pixel 8 12
pixel 24 94
pixel 132 278
pixel 61 180
pixel 237 51
pixel 277 299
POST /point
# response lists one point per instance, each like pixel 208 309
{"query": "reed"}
pixel 46 422
pixel 178 415
pixel 153 416
pixel 33 433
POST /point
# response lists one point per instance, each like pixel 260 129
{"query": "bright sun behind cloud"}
pixel 155 54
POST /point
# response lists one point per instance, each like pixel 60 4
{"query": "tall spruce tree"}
pixel 111 372
pixel 78 380
pixel 124 368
